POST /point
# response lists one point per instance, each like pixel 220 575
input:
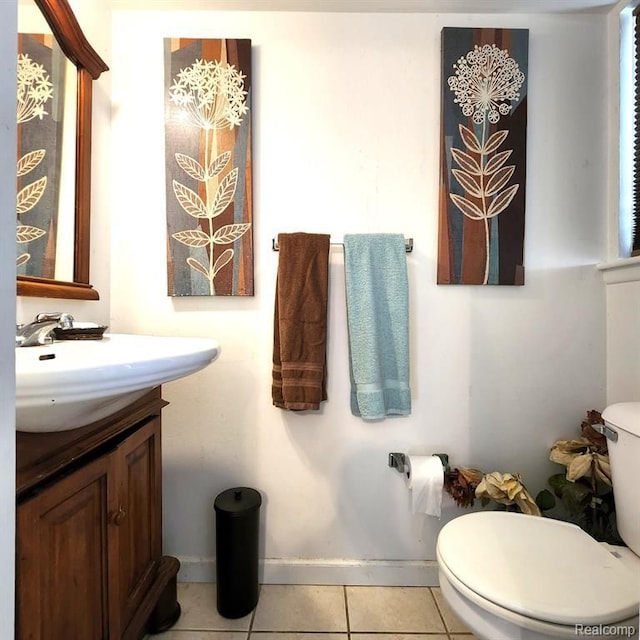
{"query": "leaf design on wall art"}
pixel 23 258
pixel 497 161
pixel 190 201
pixel 194 264
pixel 225 257
pixel 192 167
pixel 467 162
pixel 482 177
pixel 502 201
pixel 29 161
pixel 470 139
pixel 467 207
pixel 468 182
pixel 218 164
pixel 225 193
pixel 29 196
pixel 495 141
pixel 192 238
pixel 230 233
pixel 25 233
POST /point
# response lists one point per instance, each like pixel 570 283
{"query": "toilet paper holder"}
pixel 399 461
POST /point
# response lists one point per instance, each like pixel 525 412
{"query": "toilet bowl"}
pixel 510 576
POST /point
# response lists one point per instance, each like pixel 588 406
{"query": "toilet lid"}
pixel 538 567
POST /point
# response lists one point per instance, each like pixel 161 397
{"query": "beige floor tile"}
pixel 463 636
pixel 300 608
pixel 401 636
pixel 393 610
pixel 201 635
pixel 275 635
pixel 199 611
pixel 454 624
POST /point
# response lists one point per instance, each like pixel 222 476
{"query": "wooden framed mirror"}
pixel 76 48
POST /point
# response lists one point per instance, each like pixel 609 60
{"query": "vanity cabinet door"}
pixel 137 521
pixel 63 555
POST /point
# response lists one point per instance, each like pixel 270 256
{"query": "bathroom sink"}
pixel 72 383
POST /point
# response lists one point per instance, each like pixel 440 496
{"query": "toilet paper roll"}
pixel 425 479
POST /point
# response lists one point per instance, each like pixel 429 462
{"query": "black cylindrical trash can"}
pixel 237 526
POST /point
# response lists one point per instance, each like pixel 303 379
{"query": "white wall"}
pixel 346 124
pixel 8 133
pixel 623 342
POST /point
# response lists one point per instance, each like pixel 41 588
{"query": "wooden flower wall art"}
pixel 208 167
pixel 483 156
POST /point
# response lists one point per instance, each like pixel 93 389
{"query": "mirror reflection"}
pixel 53 169
pixel 45 170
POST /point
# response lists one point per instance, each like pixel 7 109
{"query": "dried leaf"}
pixel 578 467
pixel 602 468
pixel 564 451
pixel 527 504
pixel 507 489
pixel 473 476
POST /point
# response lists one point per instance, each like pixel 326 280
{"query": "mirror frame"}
pixel 75 46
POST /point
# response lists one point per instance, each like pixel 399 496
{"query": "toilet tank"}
pixel 624 455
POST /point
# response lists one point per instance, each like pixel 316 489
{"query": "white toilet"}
pixel 510 576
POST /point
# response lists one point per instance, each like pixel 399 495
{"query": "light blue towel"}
pixel 378 318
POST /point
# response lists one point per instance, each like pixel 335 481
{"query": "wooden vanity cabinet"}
pixel 89 562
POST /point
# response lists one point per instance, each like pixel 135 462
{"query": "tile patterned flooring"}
pixel 314 612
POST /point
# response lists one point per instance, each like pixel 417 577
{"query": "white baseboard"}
pixel 406 573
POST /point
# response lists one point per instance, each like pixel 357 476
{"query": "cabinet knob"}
pixel 118 516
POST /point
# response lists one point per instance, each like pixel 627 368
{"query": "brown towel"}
pixel 300 322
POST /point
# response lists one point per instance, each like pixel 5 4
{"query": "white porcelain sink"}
pixel 71 383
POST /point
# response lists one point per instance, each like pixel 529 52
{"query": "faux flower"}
pixel 507 489
pixel 594 417
pixel 582 459
pixel 461 485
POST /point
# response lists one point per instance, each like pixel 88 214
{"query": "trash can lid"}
pixel 237 501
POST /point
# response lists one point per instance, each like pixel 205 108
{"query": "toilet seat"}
pixel 538 569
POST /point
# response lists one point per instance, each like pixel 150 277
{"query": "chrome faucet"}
pixel 40 331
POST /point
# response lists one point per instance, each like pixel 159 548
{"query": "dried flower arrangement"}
pixel 584 490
